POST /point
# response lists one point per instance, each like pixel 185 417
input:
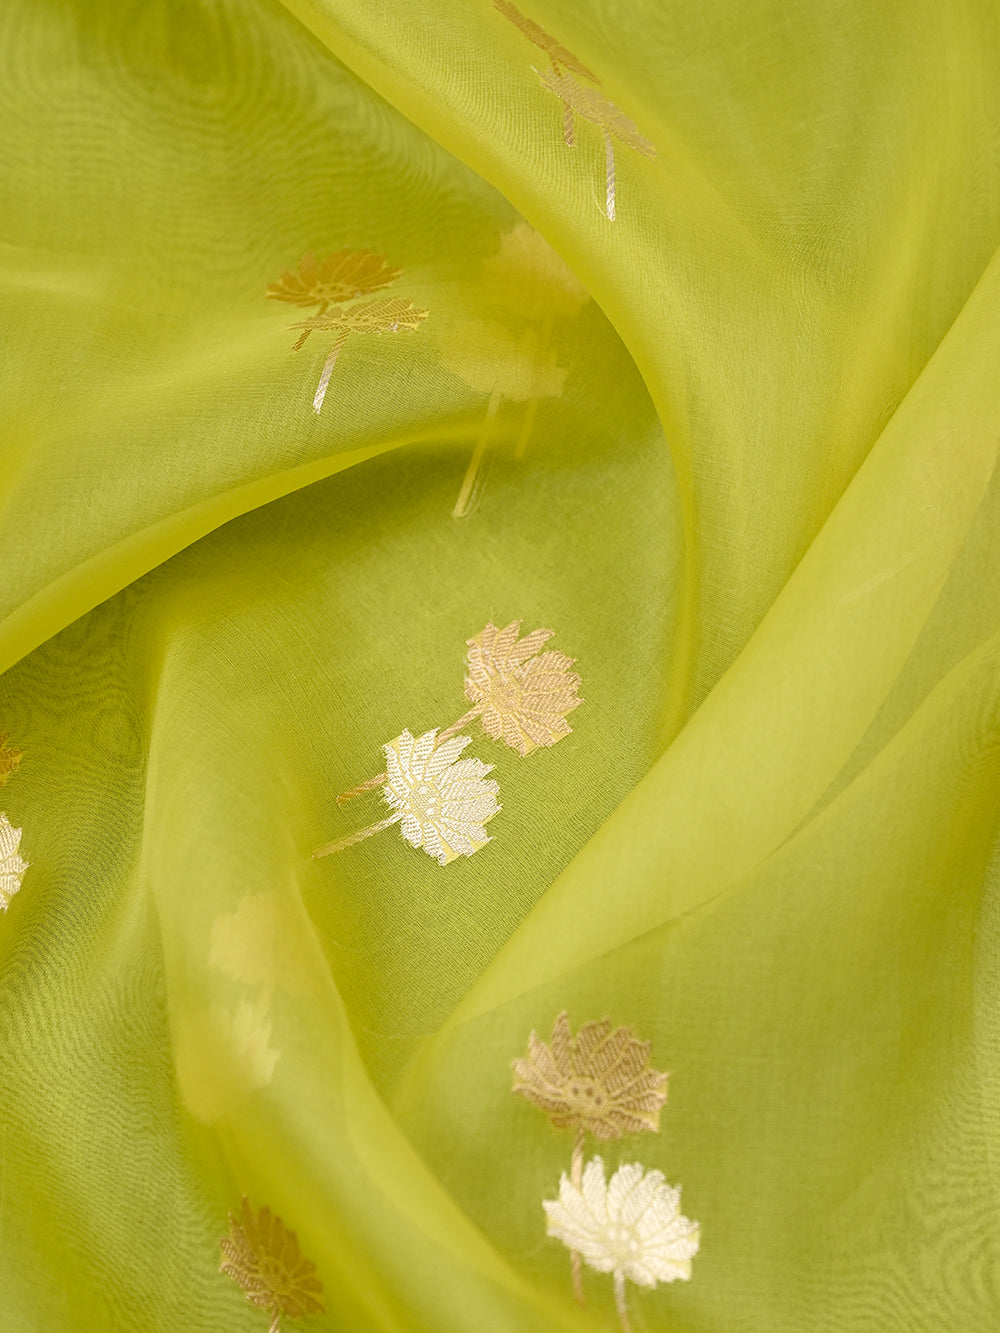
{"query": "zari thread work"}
pixel 12 864
pixel 262 1257
pixel 601 1082
pixel 330 285
pixel 520 695
pixel 441 801
pixel 10 759
pixel 578 100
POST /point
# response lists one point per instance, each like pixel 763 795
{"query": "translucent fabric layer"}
pixel 323 351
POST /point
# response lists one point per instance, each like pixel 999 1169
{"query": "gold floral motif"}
pixel 523 694
pixel 600 1082
pixel 579 101
pixel 258 945
pixel 388 315
pixel 244 1035
pixel 262 1256
pixel 610 120
pixel 444 800
pixel 526 286
pixel 345 276
pixel 10 759
pixel 335 281
pixel 595 107
pixel 509 365
pixel 556 52
pixel 528 279
pixel 520 695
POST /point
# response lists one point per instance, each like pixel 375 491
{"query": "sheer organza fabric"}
pixel 737 448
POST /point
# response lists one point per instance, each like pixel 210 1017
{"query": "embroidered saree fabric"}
pixel 662 340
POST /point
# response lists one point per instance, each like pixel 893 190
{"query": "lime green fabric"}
pixel 738 448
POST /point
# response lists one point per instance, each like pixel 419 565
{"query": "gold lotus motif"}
pixel 12 864
pixel 344 276
pixel 528 280
pixel 600 1081
pixel 630 1226
pixel 578 100
pixel 522 694
pixel 10 759
pixel 262 1256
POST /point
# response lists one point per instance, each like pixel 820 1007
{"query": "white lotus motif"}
pixel 630 1226
pixel 12 865
pixel 442 800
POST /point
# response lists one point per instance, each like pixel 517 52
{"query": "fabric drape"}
pixel 735 446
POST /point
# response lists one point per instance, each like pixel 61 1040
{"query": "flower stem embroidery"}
pixel 390 315
pixel 369 832
pixel 440 801
pixel 593 106
pixel 531 411
pixel 475 475
pixel 576 1175
pixel 520 695
pixel 609 166
pixel 507 352
pixel 328 366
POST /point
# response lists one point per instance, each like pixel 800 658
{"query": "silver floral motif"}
pixel 630 1226
pixel 443 800
pixel 439 800
pixel 12 864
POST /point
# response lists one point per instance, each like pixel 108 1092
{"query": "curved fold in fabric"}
pixel 761 751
